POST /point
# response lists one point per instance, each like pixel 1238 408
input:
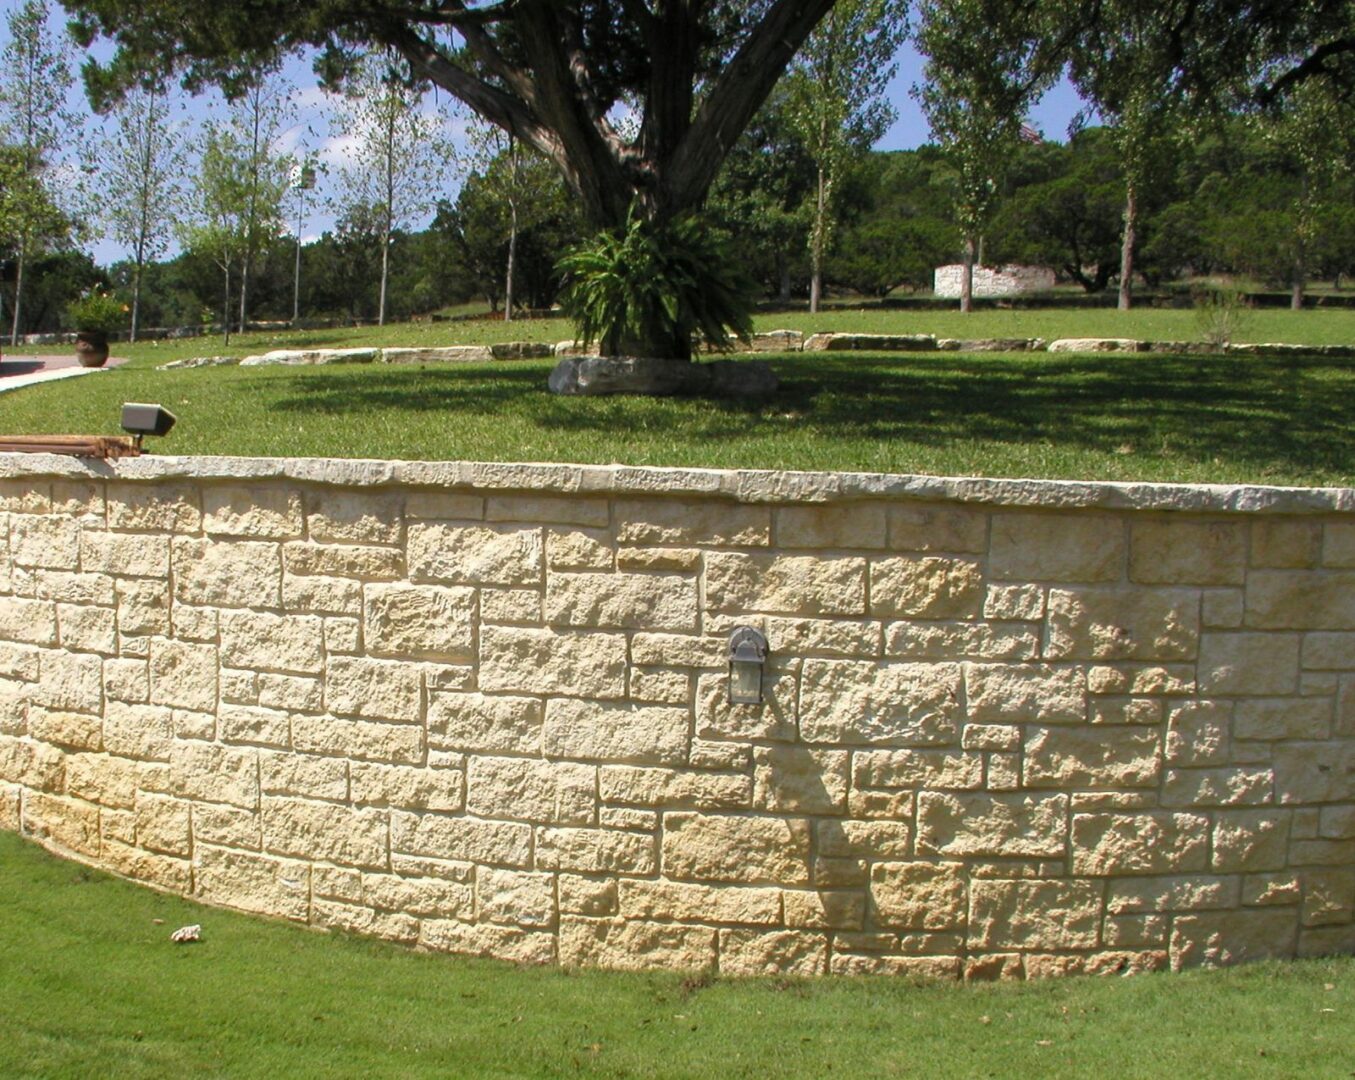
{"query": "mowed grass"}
pixel 1111 417
pixel 90 986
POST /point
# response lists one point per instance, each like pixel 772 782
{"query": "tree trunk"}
pixel 385 271
pixel 784 266
pixel 136 302
pixel 244 289
pixel 817 242
pixel 18 291
pixel 967 276
pixel 1131 220
pixel 226 306
pixel 512 232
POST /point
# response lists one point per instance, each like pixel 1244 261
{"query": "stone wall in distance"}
pixel 993 281
pixel 1011 728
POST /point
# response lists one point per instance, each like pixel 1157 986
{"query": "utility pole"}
pixel 303 180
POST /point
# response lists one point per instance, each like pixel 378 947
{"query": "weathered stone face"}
pixel 1008 729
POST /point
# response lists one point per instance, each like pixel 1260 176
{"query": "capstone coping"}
pixel 741 485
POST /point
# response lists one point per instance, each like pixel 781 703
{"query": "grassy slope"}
pixel 91 986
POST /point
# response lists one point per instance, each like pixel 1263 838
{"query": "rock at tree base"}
pixel 589 376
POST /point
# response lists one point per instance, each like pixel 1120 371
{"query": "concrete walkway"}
pixel 20 371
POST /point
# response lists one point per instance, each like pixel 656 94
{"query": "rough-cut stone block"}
pixel 515 898
pixel 529 661
pixel 891 704
pixel 44 541
pixel 242 573
pixel 1230 937
pixel 422 621
pixel 1197 733
pixel 425 897
pixel 992 824
pixel 1123 624
pixel 256 512
pixel 1314 772
pixel 1016 693
pixel 481 723
pixel 215 774
pixel 937 528
pixel 1091 757
pixel 1249 664
pixel 595 851
pixel 684 902
pixel 374 784
pixel 476 554
pixel 375 689
pixel 926 587
pixel 1024 603
pixel 579 549
pixel 586 896
pixel 290 773
pixel 1249 841
pixel 1328 897
pixel 353 517
pixel 343 561
pixel 31 621
pixel 496 843
pixel 791 953
pixel 531 790
pixel 1034 915
pixel 1056 547
pixel 250 724
pixel 792 780
pixel 915 769
pixel 1169 552
pixel 263 641
pixel 864 525
pixel 620 600
pixel 261 883
pixel 595 731
pixel 1283 718
pixel 794 584
pixel 1286 543
pixel 629 786
pixel 510 943
pixel 716 847
pixel 314 830
pixel 1158 842
pixel 823 909
pixel 76 731
pixel 635 945
pixel 1300 600
pixel 69 680
pixel 919 895
pixel 660 522
pixel 361 739
pixel 830 637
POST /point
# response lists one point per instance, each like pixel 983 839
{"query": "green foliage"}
pixel 1222 313
pixel 97 309
pixel 649 289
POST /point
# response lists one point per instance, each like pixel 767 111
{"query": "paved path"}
pixel 17 371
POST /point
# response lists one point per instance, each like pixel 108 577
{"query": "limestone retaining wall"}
pixel 1011 728
pixel 947 281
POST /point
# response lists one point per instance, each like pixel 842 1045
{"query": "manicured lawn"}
pixel 1130 416
pixel 90 985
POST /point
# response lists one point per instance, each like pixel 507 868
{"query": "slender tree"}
pixel 141 180
pixel 836 104
pixel 398 155
pixel 35 77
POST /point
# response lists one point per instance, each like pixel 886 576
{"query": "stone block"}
pixel 375 784
pixel 1025 603
pixel 1197 733
pixel 611 943
pixel 1091 757
pixel 784 953
pixel 87 629
pixel 668 789
pixel 76 731
pixel 138 731
pixel 1300 600
pixel 483 723
pixel 926 587
pixel 653 602
pixel 823 909
pixel 1181 892
pixel 675 901
pixel 64 823
pixel 1247 841
pixel 1286 543
pixel 525 789
pixel 515 898
pixel 915 769
pixel 1122 624
pixel 250 724
pixel 1283 718
pixel 360 739
pixel 1328 897
pixel 824 637
pixel 29 621
pixel 52 542
pixel 425 622
pixel 1006 824
pixel 125 554
pixel 857 525
pixel 1147 842
pixel 1249 664
pixel 579 549
pixel 373 689
pixel 595 851
pixel 97 778
pixel 919 895
pixel 792 779
pixel 890 704
pixel 1017 693
pixel 519 660
pixel 674 522
pixel 555 509
pixel 244 573
pixel 361 561
pixel 1314 772
pixel 163 824
pixel 1231 937
pixel 268 642
pixel 510 943
pixel 1056 547
pixel 1186 552
pixel 1239 786
pixel 271 513
pixel 290 773
pixel 143 606
pixel 599 731
pixel 937 528
pixel 259 883
pixel 803 585
pixel 69 680
pixel 463 839
pixel 215 774
pixel 504 555
pixel 725 848
pixel 1034 915
pixel 878 839
pixel 354 517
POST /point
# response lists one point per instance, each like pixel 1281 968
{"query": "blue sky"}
pixel 309 130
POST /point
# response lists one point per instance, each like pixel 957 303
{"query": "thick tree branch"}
pixel 1313 65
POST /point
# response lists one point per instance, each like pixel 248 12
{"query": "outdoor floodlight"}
pixel 141 419
pixel 747 656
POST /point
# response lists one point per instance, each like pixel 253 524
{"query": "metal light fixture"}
pixel 143 418
pixel 138 420
pixel 747 658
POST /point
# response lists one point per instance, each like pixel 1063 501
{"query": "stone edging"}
pixel 742 485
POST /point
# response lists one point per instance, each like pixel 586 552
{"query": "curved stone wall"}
pixel 1011 728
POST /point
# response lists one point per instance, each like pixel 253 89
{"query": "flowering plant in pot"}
pixel 95 315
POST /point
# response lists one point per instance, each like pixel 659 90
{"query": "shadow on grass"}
pixel 1283 415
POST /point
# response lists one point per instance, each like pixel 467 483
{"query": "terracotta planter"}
pixel 91 347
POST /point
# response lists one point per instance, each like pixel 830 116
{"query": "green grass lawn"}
pixel 1127 417
pixel 90 986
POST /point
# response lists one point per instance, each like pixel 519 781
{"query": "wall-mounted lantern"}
pixel 747 658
